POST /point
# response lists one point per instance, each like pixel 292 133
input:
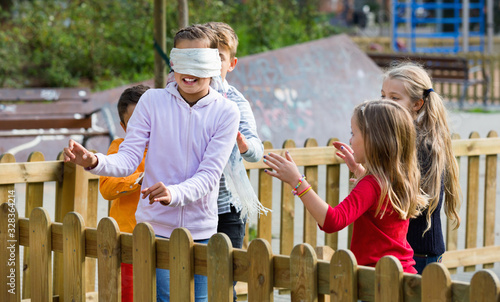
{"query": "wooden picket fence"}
pixel 308 278
pixel 77 191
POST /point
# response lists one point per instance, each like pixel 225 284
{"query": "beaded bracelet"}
pixel 304 191
pixel 294 191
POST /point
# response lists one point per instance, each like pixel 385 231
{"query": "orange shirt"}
pixel 124 192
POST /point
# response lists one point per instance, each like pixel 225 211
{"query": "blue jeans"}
pixel 423 260
pixel 163 283
pixel 234 227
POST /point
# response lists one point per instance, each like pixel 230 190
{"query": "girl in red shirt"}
pixel 384 198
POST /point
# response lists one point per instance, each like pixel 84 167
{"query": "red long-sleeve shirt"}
pixel 372 237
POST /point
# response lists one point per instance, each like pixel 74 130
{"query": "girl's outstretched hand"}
pixel 77 154
pixel 284 168
pixel 346 153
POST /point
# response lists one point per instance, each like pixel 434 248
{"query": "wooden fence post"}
pixel 332 196
pixel 74 257
pixel 344 277
pixel 490 189
pixel 484 287
pixel 310 224
pixel 303 273
pixel 5 189
pixel 451 233
pixel 34 199
pixel 40 242
pixel 91 221
pixel 109 261
pixel 261 273
pixel 181 265
pixel 436 283
pixel 265 222
pixel 144 255
pixel 220 268
pixel 389 280
pixel 287 212
pixel 10 290
pixel 472 203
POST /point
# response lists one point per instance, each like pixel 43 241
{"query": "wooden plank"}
pixel 324 254
pixel 45 123
pixel 181 265
pixel 91 220
pixel 490 189
pixel 260 276
pixel 58 270
pixel 472 203
pixel 471 256
pixel 265 222
pixel 451 230
pixel 344 277
pixel 484 287
pixel 310 224
pixel 476 146
pixel 34 199
pixel 10 290
pixel 389 280
pixel 281 265
pixel 287 212
pixel 303 273
pixel 366 283
pixel 74 257
pixel 436 283
pixel 41 265
pixel 332 195
pixel 144 250
pixel 31 172
pixel 220 268
pixel 6 186
pixel 109 258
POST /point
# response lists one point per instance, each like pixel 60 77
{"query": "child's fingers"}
pixel 288 156
pixel 352 179
pixel 340 154
pixel 270 162
pixel 275 157
pixel 164 200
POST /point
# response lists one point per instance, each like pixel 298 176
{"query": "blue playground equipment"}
pixel 441 19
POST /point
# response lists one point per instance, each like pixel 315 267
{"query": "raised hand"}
pixel 157 193
pixel 77 154
pixel 242 143
pixel 284 168
pixel 346 153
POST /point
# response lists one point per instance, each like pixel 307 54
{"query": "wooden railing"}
pixel 307 278
pixel 77 191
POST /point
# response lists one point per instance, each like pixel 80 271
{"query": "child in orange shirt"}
pixel 124 191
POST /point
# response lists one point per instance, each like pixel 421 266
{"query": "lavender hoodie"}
pixel 188 148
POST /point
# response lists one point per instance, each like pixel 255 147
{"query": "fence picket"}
pixel 451 231
pixel 144 254
pixel 6 188
pixel 287 211
pixel 74 257
pixel 41 245
pixel 389 280
pixel 10 290
pixel 34 199
pixel 303 273
pixel 490 189
pixel 472 202
pixel 109 259
pixel 181 264
pixel 261 273
pixel 436 283
pixel 265 223
pixel 220 268
pixel 332 195
pixel 311 172
pixel 344 277
pixel 484 287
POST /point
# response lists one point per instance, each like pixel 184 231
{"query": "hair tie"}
pixel 427 92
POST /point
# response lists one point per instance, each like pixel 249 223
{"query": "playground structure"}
pixel 296 267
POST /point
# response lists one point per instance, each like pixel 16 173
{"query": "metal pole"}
pixel 489 26
pixel 465 26
pixel 160 36
pixel 183 13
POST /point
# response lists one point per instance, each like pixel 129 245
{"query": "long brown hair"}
pixel 390 155
pixel 433 133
